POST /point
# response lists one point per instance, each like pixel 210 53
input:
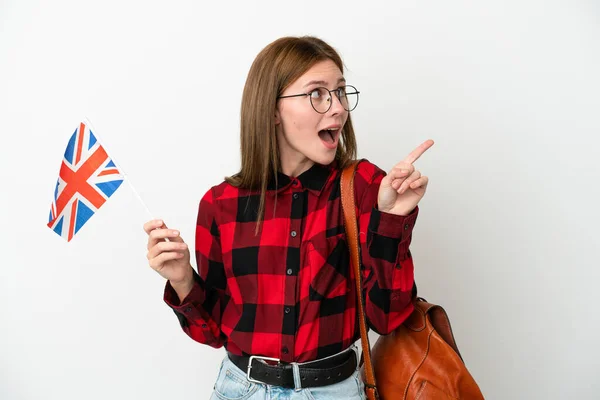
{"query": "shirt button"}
pixel 188 309
pixel 284 350
pixel 204 325
pixel 289 271
pixel 287 310
pixel 295 196
pixel 406 227
pixel 294 233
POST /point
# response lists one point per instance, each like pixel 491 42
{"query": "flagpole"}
pixel 89 123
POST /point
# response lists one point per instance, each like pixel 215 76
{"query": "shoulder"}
pixel 367 178
pixel 223 198
pixel 222 192
pixel 214 200
pixel 368 173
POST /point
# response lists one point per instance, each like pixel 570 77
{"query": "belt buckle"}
pixel 250 366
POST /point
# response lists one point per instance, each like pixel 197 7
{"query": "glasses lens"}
pixel 348 97
pixel 320 99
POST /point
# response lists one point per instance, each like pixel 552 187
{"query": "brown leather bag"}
pixel 418 360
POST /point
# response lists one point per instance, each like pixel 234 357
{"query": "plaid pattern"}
pixel 289 292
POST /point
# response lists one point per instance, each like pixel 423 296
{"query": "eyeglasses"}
pixel 320 98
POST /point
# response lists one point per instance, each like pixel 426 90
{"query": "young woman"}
pixel 274 284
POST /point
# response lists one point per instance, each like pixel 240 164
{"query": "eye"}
pixel 316 94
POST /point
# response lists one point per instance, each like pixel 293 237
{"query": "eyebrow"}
pixel 323 82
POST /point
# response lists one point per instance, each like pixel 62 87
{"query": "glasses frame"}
pixel 330 97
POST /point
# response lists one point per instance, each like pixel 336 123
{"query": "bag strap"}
pixel 351 226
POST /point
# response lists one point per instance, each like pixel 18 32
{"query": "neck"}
pixel 294 168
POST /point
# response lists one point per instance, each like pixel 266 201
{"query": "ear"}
pixel 277 117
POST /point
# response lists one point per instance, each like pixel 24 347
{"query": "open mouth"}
pixel 330 137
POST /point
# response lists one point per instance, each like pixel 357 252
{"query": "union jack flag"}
pixel 87 178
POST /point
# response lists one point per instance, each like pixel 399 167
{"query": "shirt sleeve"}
pixel 199 313
pixel 387 265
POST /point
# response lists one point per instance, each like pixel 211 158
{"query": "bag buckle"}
pixel 250 366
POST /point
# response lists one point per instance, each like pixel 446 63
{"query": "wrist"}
pixel 183 287
pixel 186 281
pixel 402 213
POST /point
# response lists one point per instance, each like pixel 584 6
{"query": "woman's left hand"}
pixel 403 187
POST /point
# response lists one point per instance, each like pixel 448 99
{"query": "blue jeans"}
pixel 232 384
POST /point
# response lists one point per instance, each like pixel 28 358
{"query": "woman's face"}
pixel 305 136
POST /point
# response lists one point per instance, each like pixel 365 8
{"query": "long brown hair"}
pixel 275 68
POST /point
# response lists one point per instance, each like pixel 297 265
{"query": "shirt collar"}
pixel 313 178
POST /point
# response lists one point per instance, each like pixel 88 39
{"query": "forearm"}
pixel 390 270
pixel 187 299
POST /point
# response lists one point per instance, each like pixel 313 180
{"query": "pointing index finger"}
pixel 418 152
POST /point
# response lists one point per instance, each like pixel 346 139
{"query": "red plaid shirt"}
pixel 289 292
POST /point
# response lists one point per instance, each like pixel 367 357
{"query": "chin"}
pixel 324 159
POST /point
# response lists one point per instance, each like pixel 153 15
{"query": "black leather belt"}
pixel 312 374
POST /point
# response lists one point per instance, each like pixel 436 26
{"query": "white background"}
pixel 507 239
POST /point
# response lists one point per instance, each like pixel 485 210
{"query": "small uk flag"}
pixel 87 178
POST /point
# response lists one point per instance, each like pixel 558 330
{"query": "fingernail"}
pixel 175 233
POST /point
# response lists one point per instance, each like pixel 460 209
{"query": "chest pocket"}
pixel 329 261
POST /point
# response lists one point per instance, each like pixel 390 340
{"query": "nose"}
pixel 336 105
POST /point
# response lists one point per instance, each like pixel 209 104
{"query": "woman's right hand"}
pixel 171 259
